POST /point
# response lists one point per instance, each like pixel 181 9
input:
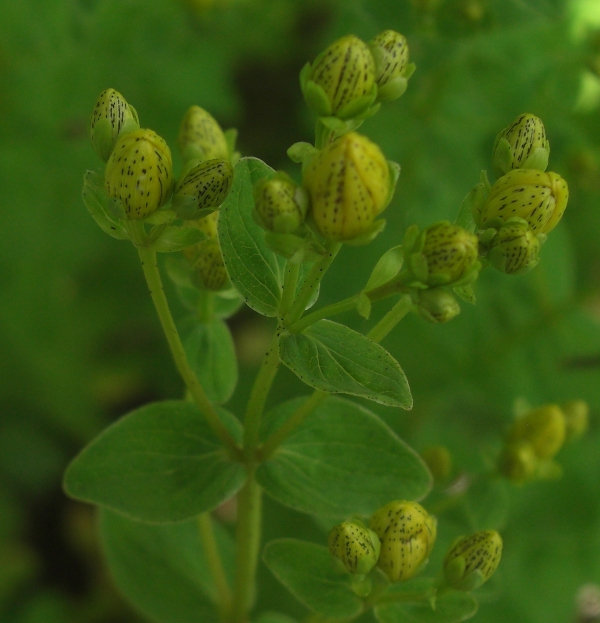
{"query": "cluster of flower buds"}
pixel 348 79
pixel 536 437
pixel 517 212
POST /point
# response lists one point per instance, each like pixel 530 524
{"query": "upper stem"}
pixel 149 263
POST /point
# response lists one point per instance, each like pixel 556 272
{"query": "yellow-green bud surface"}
pixel 543 428
pixel 407 533
pixel 437 305
pixel 201 137
pixel 205 186
pixel 208 224
pixel 277 205
pixel 346 73
pixel 522 145
pixel 473 559
pixel 348 183
pixel 439 461
pixel 537 197
pixel 391 56
pixel 112 116
pixel 515 249
pixel 139 173
pixel 450 251
pixel 209 267
pixel 355 546
pixel 577 413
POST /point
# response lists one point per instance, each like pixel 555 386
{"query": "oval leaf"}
pixel 163 570
pixel 334 358
pixel 450 607
pixel 342 460
pixel 253 268
pixel 98 205
pixel 307 571
pixel 159 463
pixel 211 354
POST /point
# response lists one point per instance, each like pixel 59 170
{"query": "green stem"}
pixel 292 272
pixel 391 319
pixel 325 312
pixel 151 273
pixel 247 539
pixel 215 564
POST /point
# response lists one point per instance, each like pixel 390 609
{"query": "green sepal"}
pixel 366 237
pixel 387 267
pixel 186 208
pixel 296 248
pixel 466 293
pixel 176 238
pixel 397 86
pixel 472 203
pixel 361 108
pixel 417 263
pixel 503 157
pixel 537 159
pixel 363 306
pixel 103 209
pixel 314 95
pixel 301 152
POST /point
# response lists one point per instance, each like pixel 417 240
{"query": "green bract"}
pixel 392 69
pixel 201 137
pixel 536 197
pixel 521 145
pixel 349 184
pixel 203 189
pixel 112 116
pixel 355 546
pixel 279 204
pixel 407 533
pixel 472 560
pixel 341 81
pixel 139 173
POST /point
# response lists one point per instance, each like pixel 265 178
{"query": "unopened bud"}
pixel 341 81
pixel 139 173
pixel 357 547
pixel 209 270
pixel 439 461
pixel 349 184
pixel 543 428
pixel 279 204
pixel 472 560
pixel 407 533
pixel 515 249
pixel 536 197
pixel 201 137
pixel 522 145
pixel 112 116
pixel 577 414
pixel 390 52
pixel 437 305
pixel 518 462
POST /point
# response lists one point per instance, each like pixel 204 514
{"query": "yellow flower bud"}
pixel 208 224
pixel 439 461
pixel 139 173
pixel 450 251
pixel 518 462
pixel 209 268
pixel 576 418
pixel 522 145
pixel 407 534
pixel 341 81
pixel 203 188
pixel 390 52
pixel 515 249
pixel 348 183
pixel 111 117
pixel 472 560
pixel 201 137
pixel 279 204
pixel 355 546
pixel 437 305
pixel 543 428
pixel 538 198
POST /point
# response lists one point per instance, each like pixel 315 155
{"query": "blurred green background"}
pixel 80 342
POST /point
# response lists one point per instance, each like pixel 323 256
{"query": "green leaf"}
pixel 342 460
pixel 387 267
pixel 163 569
pixel 98 205
pixel 273 617
pixel 307 571
pixel 159 463
pixel 253 268
pixel 450 607
pixel 211 354
pixel 334 358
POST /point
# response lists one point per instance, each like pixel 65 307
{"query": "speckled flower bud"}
pixel 341 81
pixel 407 533
pixel 203 188
pixel 209 270
pixel 139 173
pixel 355 546
pixel 450 252
pixel 518 462
pixel 201 137
pixel 543 428
pixel 538 198
pixel 208 224
pixel 472 560
pixel 279 204
pixel 112 116
pixel 437 305
pixel 390 52
pixel 349 184
pixel 439 461
pixel 577 413
pixel 515 248
pixel 521 145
